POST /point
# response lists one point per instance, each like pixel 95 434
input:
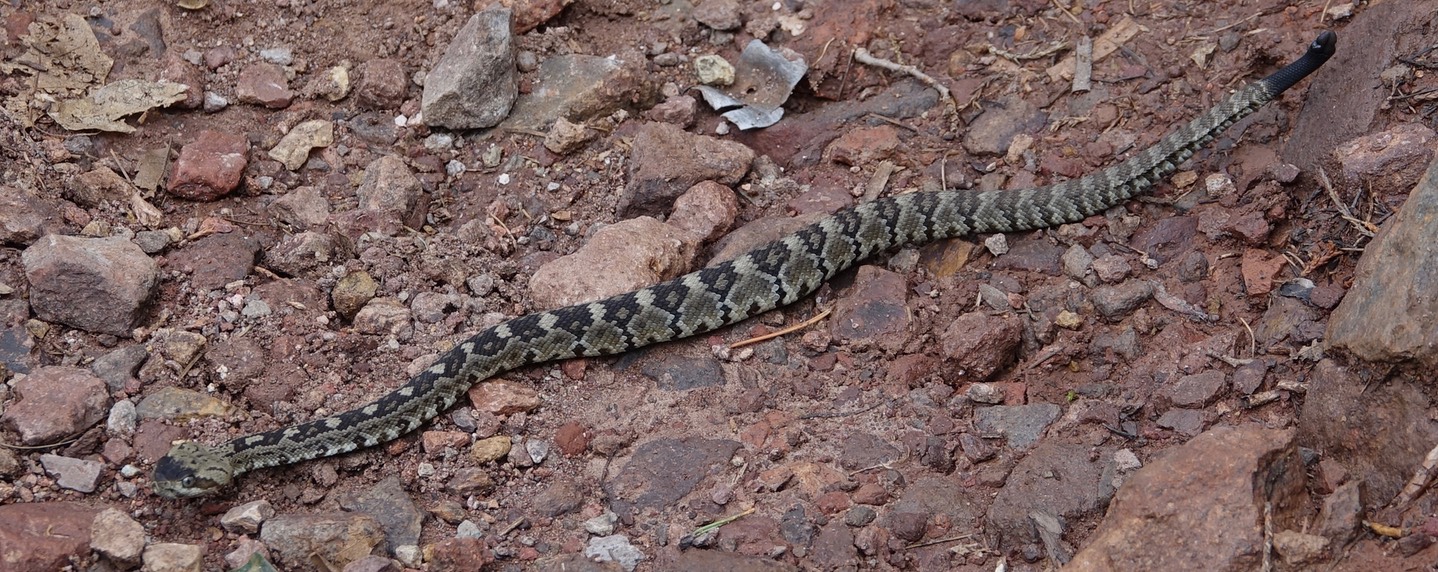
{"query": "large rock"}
pixel 94 284
pixel 1391 313
pixel 473 85
pixel 337 538
pixel 619 258
pixel 1342 404
pixel 56 402
pixel 580 87
pixel 1057 479
pixel 43 536
pixel 667 160
pixel 1203 502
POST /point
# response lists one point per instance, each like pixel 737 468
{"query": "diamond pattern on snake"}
pixel 765 278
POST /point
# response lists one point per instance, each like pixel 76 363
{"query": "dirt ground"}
pixel 793 405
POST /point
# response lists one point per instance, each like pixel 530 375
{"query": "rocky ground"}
pixel 1230 375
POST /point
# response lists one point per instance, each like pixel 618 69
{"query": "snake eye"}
pixel 187 482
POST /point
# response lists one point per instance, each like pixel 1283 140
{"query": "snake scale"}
pixel 763 279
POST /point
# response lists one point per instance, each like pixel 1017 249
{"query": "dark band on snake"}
pixel 765 278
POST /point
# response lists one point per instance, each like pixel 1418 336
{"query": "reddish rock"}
pixel 24 218
pixel 382 84
pixel 529 14
pixel 574 368
pixel 572 438
pixel 874 312
pixel 1183 507
pixel 435 442
pixel 706 210
pixel 871 494
pixel 821 199
pixel 1392 159
pixel 95 284
pixel 43 536
pixel 757 233
pixel 678 110
pixel 864 145
pixel 628 255
pixel 264 84
pixel 177 70
pixel 56 402
pixel 832 502
pixel 1259 269
pixel 219 56
pixel 216 260
pixel 666 161
pixel 210 166
pixel 1388 313
pixel 501 397
pixel 981 344
pixel 1195 390
pixel 460 554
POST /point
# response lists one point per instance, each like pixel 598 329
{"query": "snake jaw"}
pixel 191 469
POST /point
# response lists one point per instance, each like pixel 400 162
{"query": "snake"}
pixel 765 278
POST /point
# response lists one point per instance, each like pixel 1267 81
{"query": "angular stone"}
pixel 619 258
pixel 1202 502
pixel 1118 300
pixel 303 208
pixel 499 397
pixel 1340 399
pixel 247 518
pixel 56 402
pixel 1388 313
pixel 874 312
pixel 1391 159
pixel 991 132
pixel 294 148
pixel 71 473
pixel 666 161
pixel 337 538
pixel 1195 390
pixel 390 187
pixel 382 84
pixel 216 260
pixel 264 84
pixel 663 471
pixel 1020 425
pixel 43 536
pixel 706 210
pixel 24 218
pixel 981 344
pixel 581 87
pixel 390 504
pixel 172 557
pixel 864 146
pixel 473 85
pixel 297 254
pixel 384 316
pixel 94 284
pixel 118 537
pixel 210 166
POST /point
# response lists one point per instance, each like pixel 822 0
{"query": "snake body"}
pixel 765 278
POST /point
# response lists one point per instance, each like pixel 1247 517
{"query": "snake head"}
pixel 191 469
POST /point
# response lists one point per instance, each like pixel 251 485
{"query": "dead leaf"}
pixel 62 61
pixel 105 108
